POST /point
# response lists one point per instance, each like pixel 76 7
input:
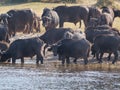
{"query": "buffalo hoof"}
pixel 85 62
pixel 113 62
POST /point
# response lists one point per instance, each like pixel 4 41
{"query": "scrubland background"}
pixel 39 5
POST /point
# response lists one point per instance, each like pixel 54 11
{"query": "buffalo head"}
pixel 4 18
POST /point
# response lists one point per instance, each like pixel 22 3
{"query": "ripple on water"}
pixel 57 77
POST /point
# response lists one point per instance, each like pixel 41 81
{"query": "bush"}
pixel 101 3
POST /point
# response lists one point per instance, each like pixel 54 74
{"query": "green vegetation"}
pixel 105 3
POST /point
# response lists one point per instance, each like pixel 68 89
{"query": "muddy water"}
pixel 54 76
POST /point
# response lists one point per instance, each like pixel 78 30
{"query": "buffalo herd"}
pixel 99 36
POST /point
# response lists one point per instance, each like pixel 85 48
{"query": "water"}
pixel 54 76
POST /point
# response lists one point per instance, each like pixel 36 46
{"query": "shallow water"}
pixel 54 76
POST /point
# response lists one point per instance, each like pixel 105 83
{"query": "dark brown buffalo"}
pixel 18 20
pixel 53 36
pixel 73 14
pixel 24 48
pixel 50 19
pixel 73 48
pixel 106 44
pixel 92 32
pixel 4 35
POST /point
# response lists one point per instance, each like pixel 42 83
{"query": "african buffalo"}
pixel 53 36
pixel 106 44
pixel 18 20
pixel 105 19
pixel 94 12
pixel 72 14
pixel 4 35
pixel 73 48
pixel 24 48
pixel 107 15
pixel 92 32
pixel 50 19
pixel 108 10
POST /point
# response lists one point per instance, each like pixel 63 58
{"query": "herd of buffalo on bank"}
pixel 99 36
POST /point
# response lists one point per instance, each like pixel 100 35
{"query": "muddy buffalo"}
pixel 21 48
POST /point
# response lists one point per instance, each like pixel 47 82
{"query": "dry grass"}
pixel 38 8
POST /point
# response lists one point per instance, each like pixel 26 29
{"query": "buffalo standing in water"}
pixel 106 44
pixel 24 48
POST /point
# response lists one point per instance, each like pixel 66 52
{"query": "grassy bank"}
pixel 38 8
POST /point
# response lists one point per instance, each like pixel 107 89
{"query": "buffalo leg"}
pixel 100 59
pixel 75 60
pixel 85 60
pixel 80 24
pixel 22 60
pixel 97 55
pixel 67 60
pixel 63 60
pixel 59 57
pixel 9 60
pixel 45 49
pixel 116 57
pixel 61 23
pixel 13 60
pixel 39 58
pixel 109 56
